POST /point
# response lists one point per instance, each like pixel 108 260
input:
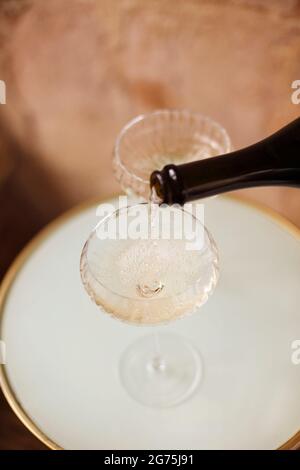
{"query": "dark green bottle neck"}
pixel 274 161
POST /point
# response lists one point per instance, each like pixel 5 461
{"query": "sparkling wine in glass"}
pixel 149 265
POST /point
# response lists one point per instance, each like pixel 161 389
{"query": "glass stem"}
pixel 158 362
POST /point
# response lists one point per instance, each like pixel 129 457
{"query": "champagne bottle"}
pixel 274 161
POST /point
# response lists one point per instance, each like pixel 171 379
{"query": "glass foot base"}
pixel 161 370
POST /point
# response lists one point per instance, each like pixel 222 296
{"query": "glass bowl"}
pixel 151 141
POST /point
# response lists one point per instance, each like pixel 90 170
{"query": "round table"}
pixel 62 354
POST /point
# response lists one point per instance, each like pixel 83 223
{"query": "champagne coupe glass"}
pixel 147 265
pixel 151 141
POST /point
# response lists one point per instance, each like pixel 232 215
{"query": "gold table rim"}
pixel 20 260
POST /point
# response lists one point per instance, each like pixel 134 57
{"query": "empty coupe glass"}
pixel 151 141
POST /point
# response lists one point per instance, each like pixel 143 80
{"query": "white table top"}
pixel 62 353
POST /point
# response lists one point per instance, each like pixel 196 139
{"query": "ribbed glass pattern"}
pixel 150 142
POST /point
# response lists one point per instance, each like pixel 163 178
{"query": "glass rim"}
pixel 142 117
pixel 84 256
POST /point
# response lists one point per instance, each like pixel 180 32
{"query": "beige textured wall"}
pixel 77 70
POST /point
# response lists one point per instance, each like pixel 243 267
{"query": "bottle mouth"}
pixel 167 185
pixel 157 188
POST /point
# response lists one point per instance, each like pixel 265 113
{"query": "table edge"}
pixel 290 444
